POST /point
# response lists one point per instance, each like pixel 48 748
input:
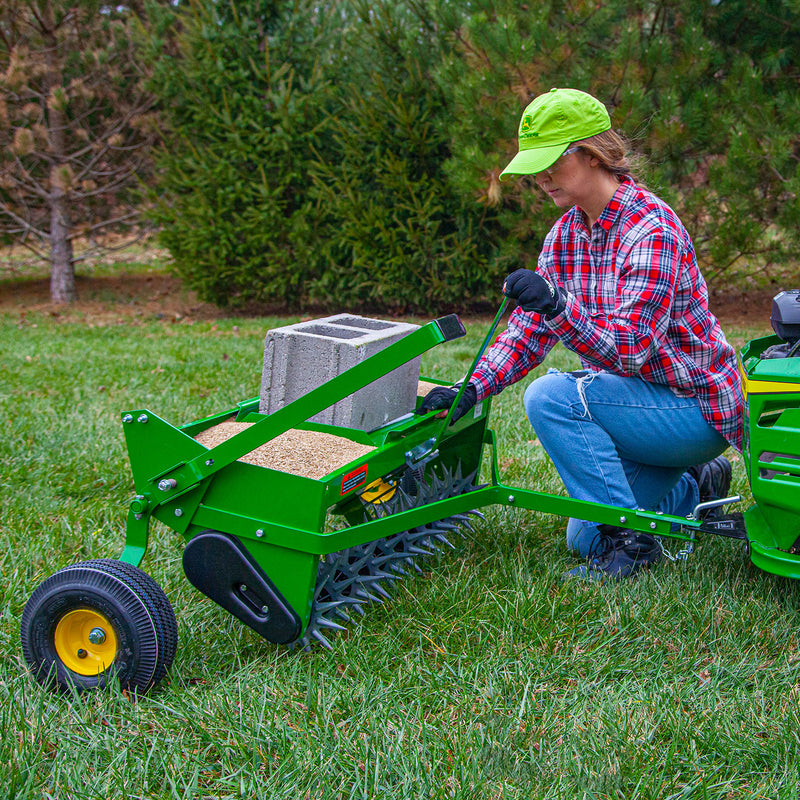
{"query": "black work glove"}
pixel 533 292
pixel 441 398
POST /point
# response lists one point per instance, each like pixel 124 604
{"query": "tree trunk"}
pixel 62 267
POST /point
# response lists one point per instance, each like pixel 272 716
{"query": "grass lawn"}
pixel 487 677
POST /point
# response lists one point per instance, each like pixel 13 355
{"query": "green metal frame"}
pixel 191 488
pixel 772 457
pixel 281 517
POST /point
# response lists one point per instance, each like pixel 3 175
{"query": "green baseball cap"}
pixel 550 124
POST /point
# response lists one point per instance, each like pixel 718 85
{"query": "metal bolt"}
pixel 82 653
pixel 260 532
pixel 623 520
pixel 142 418
pixel 242 587
pixel 511 498
pixel 128 418
pixel 209 462
pixel 265 610
pixel 653 526
pixel 178 512
pixel 96 636
pixel 167 484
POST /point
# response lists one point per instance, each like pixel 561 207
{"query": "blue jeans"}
pixel 620 441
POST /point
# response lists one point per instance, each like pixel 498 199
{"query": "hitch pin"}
pixel 723 501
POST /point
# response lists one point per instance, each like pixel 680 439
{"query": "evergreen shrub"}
pixel 242 95
pixel 346 155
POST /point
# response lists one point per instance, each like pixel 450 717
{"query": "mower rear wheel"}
pixel 96 622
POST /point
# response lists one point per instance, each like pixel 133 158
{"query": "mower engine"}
pixel 785 321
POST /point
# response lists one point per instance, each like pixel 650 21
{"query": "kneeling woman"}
pixel 643 424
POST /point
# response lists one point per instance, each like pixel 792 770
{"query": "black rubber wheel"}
pixel 98 621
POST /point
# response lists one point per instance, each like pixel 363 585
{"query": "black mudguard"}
pixel 221 567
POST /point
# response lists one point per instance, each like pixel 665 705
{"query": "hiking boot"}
pixel 713 479
pixel 622 552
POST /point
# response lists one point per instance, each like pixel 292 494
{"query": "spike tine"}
pixel 322 640
pixel 377 578
pixel 324 622
pixel 404 499
pixel 370 598
pixel 352 601
pixel 377 587
pixel 408 560
pixel 328 605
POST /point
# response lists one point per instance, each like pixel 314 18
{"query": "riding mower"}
pixel 293 556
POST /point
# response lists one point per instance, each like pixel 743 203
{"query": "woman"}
pixel 617 282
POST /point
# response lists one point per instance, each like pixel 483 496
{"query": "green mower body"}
pixel 772 455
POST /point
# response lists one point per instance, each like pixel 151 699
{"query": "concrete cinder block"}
pixel 300 357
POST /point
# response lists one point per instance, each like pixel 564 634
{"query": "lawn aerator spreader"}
pixel 294 556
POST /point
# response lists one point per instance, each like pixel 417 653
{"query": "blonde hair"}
pixel 611 149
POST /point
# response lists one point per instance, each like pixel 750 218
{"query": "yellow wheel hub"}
pixel 379 491
pixel 85 642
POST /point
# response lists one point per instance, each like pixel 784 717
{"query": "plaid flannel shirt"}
pixel 636 304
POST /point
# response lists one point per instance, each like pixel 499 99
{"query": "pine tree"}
pixel 706 92
pixel 393 232
pixel 242 89
pixel 74 127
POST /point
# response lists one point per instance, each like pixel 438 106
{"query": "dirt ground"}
pixel 103 298
pixel 162 296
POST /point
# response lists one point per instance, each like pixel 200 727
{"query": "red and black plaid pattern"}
pixel 636 304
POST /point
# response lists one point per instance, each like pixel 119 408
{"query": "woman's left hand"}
pixel 532 292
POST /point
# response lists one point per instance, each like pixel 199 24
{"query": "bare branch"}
pixel 35 250
pixel 110 186
pixel 106 249
pixel 116 221
pixel 26 226
pixel 30 186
